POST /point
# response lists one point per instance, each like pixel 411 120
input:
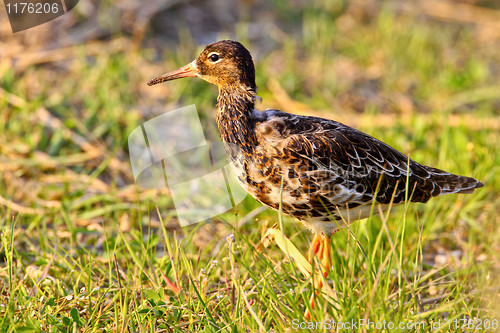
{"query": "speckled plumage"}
pixel 330 171
pixel 323 172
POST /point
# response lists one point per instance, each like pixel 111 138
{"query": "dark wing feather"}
pixel 360 161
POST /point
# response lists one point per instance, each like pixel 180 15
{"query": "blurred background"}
pixel 422 76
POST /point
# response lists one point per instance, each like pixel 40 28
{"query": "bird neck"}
pixel 236 126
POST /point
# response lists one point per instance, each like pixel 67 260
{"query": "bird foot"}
pixel 320 249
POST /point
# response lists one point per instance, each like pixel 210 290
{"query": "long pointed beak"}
pixel 187 71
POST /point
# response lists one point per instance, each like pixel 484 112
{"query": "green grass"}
pixel 83 249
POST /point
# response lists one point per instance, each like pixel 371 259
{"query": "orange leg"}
pixel 320 248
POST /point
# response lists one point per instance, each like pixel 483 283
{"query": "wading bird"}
pixel 321 172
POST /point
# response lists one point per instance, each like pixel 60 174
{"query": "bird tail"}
pixel 456 184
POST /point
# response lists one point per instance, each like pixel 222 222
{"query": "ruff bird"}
pixel 319 171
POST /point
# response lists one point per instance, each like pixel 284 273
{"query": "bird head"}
pixel 224 63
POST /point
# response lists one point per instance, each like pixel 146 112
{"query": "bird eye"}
pixel 213 57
